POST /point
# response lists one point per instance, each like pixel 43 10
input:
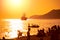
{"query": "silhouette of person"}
pixel 3 38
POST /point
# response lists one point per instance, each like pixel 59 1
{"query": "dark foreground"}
pixel 53 33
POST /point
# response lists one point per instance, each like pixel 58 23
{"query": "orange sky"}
pixel 10 9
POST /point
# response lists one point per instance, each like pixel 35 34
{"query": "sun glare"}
pixel 16 2
pixel 15 25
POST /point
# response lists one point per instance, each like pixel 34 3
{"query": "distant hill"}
pixel 53 14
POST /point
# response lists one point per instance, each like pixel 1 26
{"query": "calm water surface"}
pixel 9 27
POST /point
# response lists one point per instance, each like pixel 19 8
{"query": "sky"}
pixel 16 8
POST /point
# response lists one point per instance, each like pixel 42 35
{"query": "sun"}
pixel 16 2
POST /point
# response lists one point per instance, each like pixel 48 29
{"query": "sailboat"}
pixel 24 17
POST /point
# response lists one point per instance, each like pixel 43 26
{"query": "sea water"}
pixel 9 27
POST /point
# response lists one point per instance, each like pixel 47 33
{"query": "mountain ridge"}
pixel 53 14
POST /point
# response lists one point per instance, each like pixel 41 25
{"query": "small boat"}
pixel 34 26
pixel 24 17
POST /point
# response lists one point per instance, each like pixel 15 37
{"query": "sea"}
pixel 9 27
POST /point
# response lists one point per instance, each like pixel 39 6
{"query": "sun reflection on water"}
pixel 14 25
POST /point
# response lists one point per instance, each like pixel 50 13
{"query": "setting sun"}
pixel 16 2
pixel 14 7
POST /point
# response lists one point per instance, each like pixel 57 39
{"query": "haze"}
pixel 13 9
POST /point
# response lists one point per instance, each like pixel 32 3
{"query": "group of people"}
pixel 53 32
